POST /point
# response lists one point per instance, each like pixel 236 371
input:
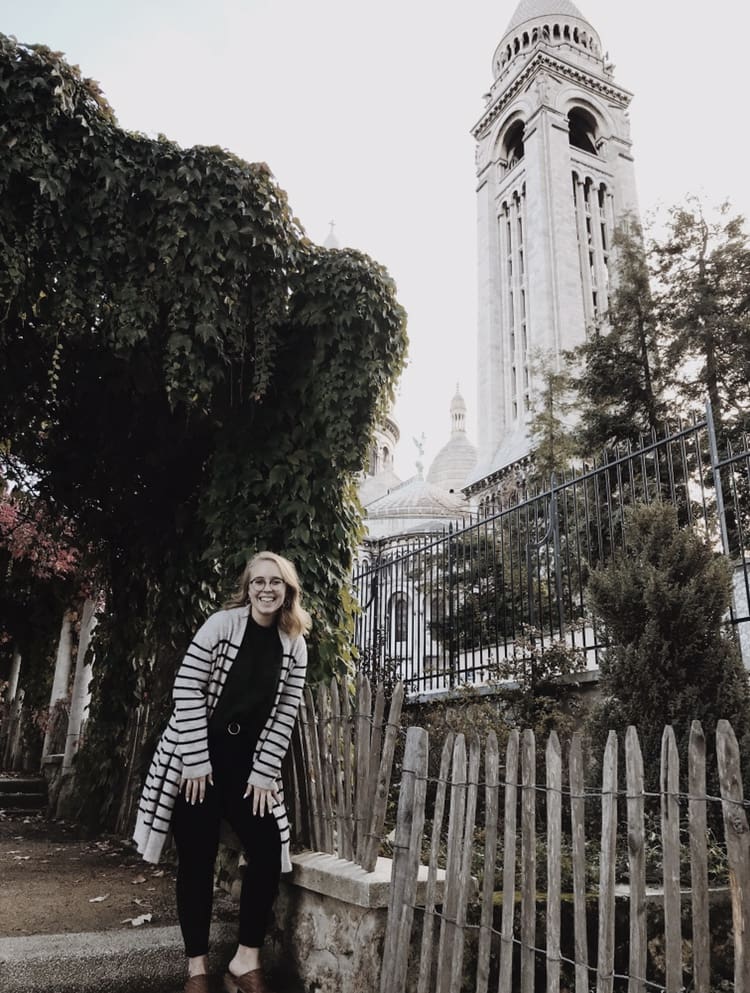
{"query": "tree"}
pixel 619 385
pixel 477 587
pixel 669 656
pixel 702 267
pixel 550 425
pixel 187 378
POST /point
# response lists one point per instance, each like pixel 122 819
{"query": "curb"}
pixel 121 961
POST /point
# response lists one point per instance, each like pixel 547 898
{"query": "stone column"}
pixel 9 710
pixel 555 315
pixel 741 604
pixel 490 344
pixel 61 677
pixel 598 217
pixel 80 695
pixel 11 758
pixel 15 671
pixel 583 250
pixel 515 283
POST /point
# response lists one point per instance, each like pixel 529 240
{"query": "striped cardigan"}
pixel 182 751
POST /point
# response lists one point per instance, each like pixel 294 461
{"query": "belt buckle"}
pixel 233 728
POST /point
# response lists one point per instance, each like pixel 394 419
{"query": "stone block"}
pixel 329 922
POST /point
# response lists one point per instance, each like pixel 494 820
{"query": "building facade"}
pixel 555 178
pixel 402 604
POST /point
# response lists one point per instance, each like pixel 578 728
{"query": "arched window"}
pixel 556 31
pixel 513 145
pixel 438 615
pixel 526 39
pixel 582 130
pixel 566 33
pixel 399 609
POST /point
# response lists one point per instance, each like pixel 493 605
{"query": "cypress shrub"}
pixel 671 657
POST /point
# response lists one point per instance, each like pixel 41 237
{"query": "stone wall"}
pixel 329 921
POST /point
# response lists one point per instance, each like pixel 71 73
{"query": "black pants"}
pixel 196 833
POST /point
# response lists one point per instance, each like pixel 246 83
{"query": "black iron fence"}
pixel 439 610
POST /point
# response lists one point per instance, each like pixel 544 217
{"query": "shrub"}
pixel 670 658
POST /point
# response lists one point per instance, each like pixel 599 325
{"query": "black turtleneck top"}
pixel 250 687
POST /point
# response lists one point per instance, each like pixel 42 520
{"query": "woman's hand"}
pixel 195 789
pixel 263 800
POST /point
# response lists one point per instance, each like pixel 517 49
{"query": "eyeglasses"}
pixel 259 583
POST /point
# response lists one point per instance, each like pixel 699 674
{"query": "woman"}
pixel 236 697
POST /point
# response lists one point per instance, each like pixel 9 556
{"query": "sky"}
pixel 363 112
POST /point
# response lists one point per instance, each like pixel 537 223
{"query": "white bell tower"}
pixel 555 176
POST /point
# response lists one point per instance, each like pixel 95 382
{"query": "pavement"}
pixel 121 961
pixel 146 961
pixel 111 959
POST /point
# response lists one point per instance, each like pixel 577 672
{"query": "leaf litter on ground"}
pixel 137 921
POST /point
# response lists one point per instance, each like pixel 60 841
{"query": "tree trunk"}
pixel 653 420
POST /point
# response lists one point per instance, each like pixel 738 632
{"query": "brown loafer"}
pixel 248 982
pixel 197 984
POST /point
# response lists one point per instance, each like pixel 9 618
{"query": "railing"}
pixel 441 610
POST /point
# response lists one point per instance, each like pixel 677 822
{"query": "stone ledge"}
pixel 345 881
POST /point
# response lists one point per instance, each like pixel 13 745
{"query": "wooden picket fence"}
pixel 510 948
pixel 339 776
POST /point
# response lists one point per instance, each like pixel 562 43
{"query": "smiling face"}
pixel 267 590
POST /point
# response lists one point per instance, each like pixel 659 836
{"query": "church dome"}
pixel 548 22
pixel 379 476
pixel 415 506
pixel 456 459
pixel 529 10
pixel 372 488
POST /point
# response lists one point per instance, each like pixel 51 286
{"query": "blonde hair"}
pixel 293 618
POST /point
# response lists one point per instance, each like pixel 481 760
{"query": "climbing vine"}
pixel 188 378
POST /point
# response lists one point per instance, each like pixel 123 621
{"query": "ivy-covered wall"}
pixel 187 379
